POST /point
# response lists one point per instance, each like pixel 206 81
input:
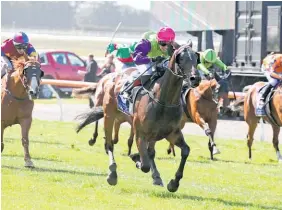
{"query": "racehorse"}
pixel 97 93
pixel 274 116
pixel 18 88
pixel 157 115
pixel 200 107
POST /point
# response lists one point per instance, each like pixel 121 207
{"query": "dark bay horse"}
pixel 18 88
pixel 157 115
pixel 252 120
pixel 200 107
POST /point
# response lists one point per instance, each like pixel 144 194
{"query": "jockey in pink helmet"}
pixel 154 47
pixel 15 48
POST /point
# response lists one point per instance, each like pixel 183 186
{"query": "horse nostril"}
pixel 31 92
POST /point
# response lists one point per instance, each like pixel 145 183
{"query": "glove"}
pixel 158 59
pixel 110 48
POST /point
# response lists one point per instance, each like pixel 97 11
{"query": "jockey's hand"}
pixel 158 59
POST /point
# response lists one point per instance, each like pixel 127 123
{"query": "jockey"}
pixel 15 48
pixel 123 53
pixel 152 48
pixel 272 66
pixel 205 61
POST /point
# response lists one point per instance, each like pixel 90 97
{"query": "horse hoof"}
pixel 115 141
pixel 172 186
pixel 91 142
pixel 29 164
pixel 158 182
pixel 112 178
pixel 2 147
pixel 138 165
pixel 145 169
pixel 280 160
pixel 215 151
pixel 168 151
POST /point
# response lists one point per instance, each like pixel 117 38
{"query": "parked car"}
pixel 60 65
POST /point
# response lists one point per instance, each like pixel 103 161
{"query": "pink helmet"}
pixel 166 34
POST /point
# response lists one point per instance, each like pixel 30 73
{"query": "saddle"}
pixel 267 105
pixel 127 105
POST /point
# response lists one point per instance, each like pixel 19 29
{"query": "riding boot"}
pixel 264 92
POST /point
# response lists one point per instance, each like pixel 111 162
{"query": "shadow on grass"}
pixel 45 159
pixel 55 171
pixel 198 198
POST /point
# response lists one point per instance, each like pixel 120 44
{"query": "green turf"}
pixel 69 174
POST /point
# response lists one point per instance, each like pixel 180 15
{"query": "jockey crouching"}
pixel 272 66
pixel 15 48
pixel 123 53
pixel 147 52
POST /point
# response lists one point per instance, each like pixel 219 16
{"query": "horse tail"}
pixel 86 90
pixel 89 116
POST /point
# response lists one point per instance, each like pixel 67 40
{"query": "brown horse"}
pixel 157 115
pixel 252 120
pixel 18 88
pixel 96 92
pixel 201 108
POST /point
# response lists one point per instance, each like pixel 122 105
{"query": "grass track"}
pixel 71 175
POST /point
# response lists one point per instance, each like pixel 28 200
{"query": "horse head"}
pixel 30 74
pixel 206 88
pixel 183 61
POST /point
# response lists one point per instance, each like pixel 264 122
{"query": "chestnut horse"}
pixel 252 120
pixel 157 115
pixel 18 88
pixel 201 108
pixel 96 92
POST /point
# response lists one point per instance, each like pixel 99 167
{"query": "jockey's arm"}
pixel 220 64
pixel 202 68
pixel 275 75
pixel 141 51
pixel 31 53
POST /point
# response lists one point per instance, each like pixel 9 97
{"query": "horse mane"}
pixel 177 51
pixel 20 63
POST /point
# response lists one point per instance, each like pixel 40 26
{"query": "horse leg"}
pixel 116 130
pixel 275 141
pixel 170 149
pixel 177 139
pixel 130 141
pixel 209 129
pixel 25 126
pixel 92 141
pixel 212 126
pixel 155 173
pixel 2 142
pixel 142 146
pixel 109 146
pixel 250 137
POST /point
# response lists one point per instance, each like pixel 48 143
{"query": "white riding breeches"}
pixel 6 65
pixel 271 80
